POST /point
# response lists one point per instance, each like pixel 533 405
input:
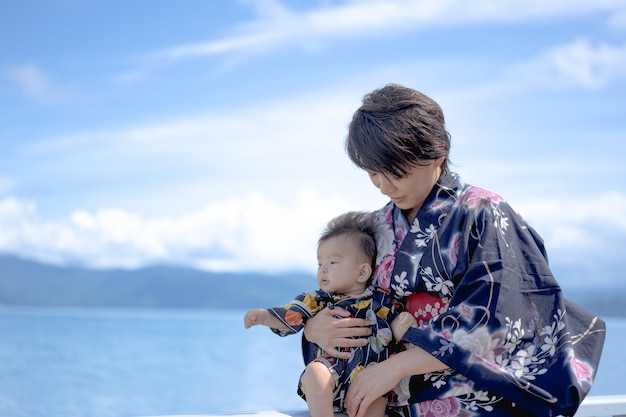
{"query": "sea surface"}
pixel 130 363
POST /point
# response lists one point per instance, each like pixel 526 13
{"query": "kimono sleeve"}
pixel 508 327
pixel 295 314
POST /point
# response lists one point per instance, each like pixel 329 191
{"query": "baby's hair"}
pixel 356 224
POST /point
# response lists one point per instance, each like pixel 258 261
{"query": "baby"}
pixel 346 254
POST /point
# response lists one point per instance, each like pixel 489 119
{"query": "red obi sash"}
pixel 424 306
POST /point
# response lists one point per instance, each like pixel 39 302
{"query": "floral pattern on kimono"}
pixel 295 314
pixel 477 279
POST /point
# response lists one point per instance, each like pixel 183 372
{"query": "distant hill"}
pixel 29 283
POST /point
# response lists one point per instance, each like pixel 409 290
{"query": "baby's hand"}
pixel 253 317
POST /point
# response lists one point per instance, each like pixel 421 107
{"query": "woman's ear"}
pixel 365 272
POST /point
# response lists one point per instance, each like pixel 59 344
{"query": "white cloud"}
pixel 590 227
pixel 36 83
pixel 269 218
pixel 282 146
pixel 579 63
pixel 250 233
pixel 276 25
pixel 261 234
pixel 197 49
pixel 293 123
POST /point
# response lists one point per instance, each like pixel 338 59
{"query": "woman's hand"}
pixel 329 332
pixel 370 384
pixel 379 378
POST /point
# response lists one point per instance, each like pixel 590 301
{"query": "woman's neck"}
pixel 410 214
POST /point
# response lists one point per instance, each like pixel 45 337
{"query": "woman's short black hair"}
pixel 395 129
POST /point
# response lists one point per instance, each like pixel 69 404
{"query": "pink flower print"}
pixel 583 370
pixel 493 365
pixel 446 334
pixel 388 214
pixel 443 407
pixel 400 233
pixel 453 251
pixel 478 197
pixel 473 193
pixel 384 271
pixel 439 203
pixel 466 311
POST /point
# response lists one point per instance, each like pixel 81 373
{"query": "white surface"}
pixel 595 406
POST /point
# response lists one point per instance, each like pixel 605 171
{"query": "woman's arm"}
pixel 378 379
pixel 329 332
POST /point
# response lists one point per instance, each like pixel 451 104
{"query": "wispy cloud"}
pixel 197 49
pixel 229 235
pixel 581 63
pixel 276 25
pixel 254 230
pixel 219 136
pixel 593 227
pixel 36 83
pixel 248 233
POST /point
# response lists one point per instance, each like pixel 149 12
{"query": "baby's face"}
pixel 340 266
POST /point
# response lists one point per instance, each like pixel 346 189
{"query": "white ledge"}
pixel 593 406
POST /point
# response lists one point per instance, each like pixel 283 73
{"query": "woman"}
pixel 494 335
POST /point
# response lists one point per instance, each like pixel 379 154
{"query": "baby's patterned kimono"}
pixel 295 314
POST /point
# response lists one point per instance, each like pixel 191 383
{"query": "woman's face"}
pixel 410 191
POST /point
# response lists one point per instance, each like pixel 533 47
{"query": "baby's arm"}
pixel 260 316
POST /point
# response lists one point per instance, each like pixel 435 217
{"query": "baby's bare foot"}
pixel 401 324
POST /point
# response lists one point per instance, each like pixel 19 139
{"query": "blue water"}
pixel 120 363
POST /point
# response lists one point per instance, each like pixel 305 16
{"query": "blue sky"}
pixel 210 134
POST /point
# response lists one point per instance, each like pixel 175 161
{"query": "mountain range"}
pixel 28 283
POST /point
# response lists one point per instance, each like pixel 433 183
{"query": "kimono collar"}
pixel 412 240
pixel 326 298
pixel 436 205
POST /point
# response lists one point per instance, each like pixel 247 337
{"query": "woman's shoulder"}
pixel 470 195
pixel 481 205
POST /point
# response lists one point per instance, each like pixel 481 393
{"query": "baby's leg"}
pixel 318 386
pixel 401 324
pixel 377 408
